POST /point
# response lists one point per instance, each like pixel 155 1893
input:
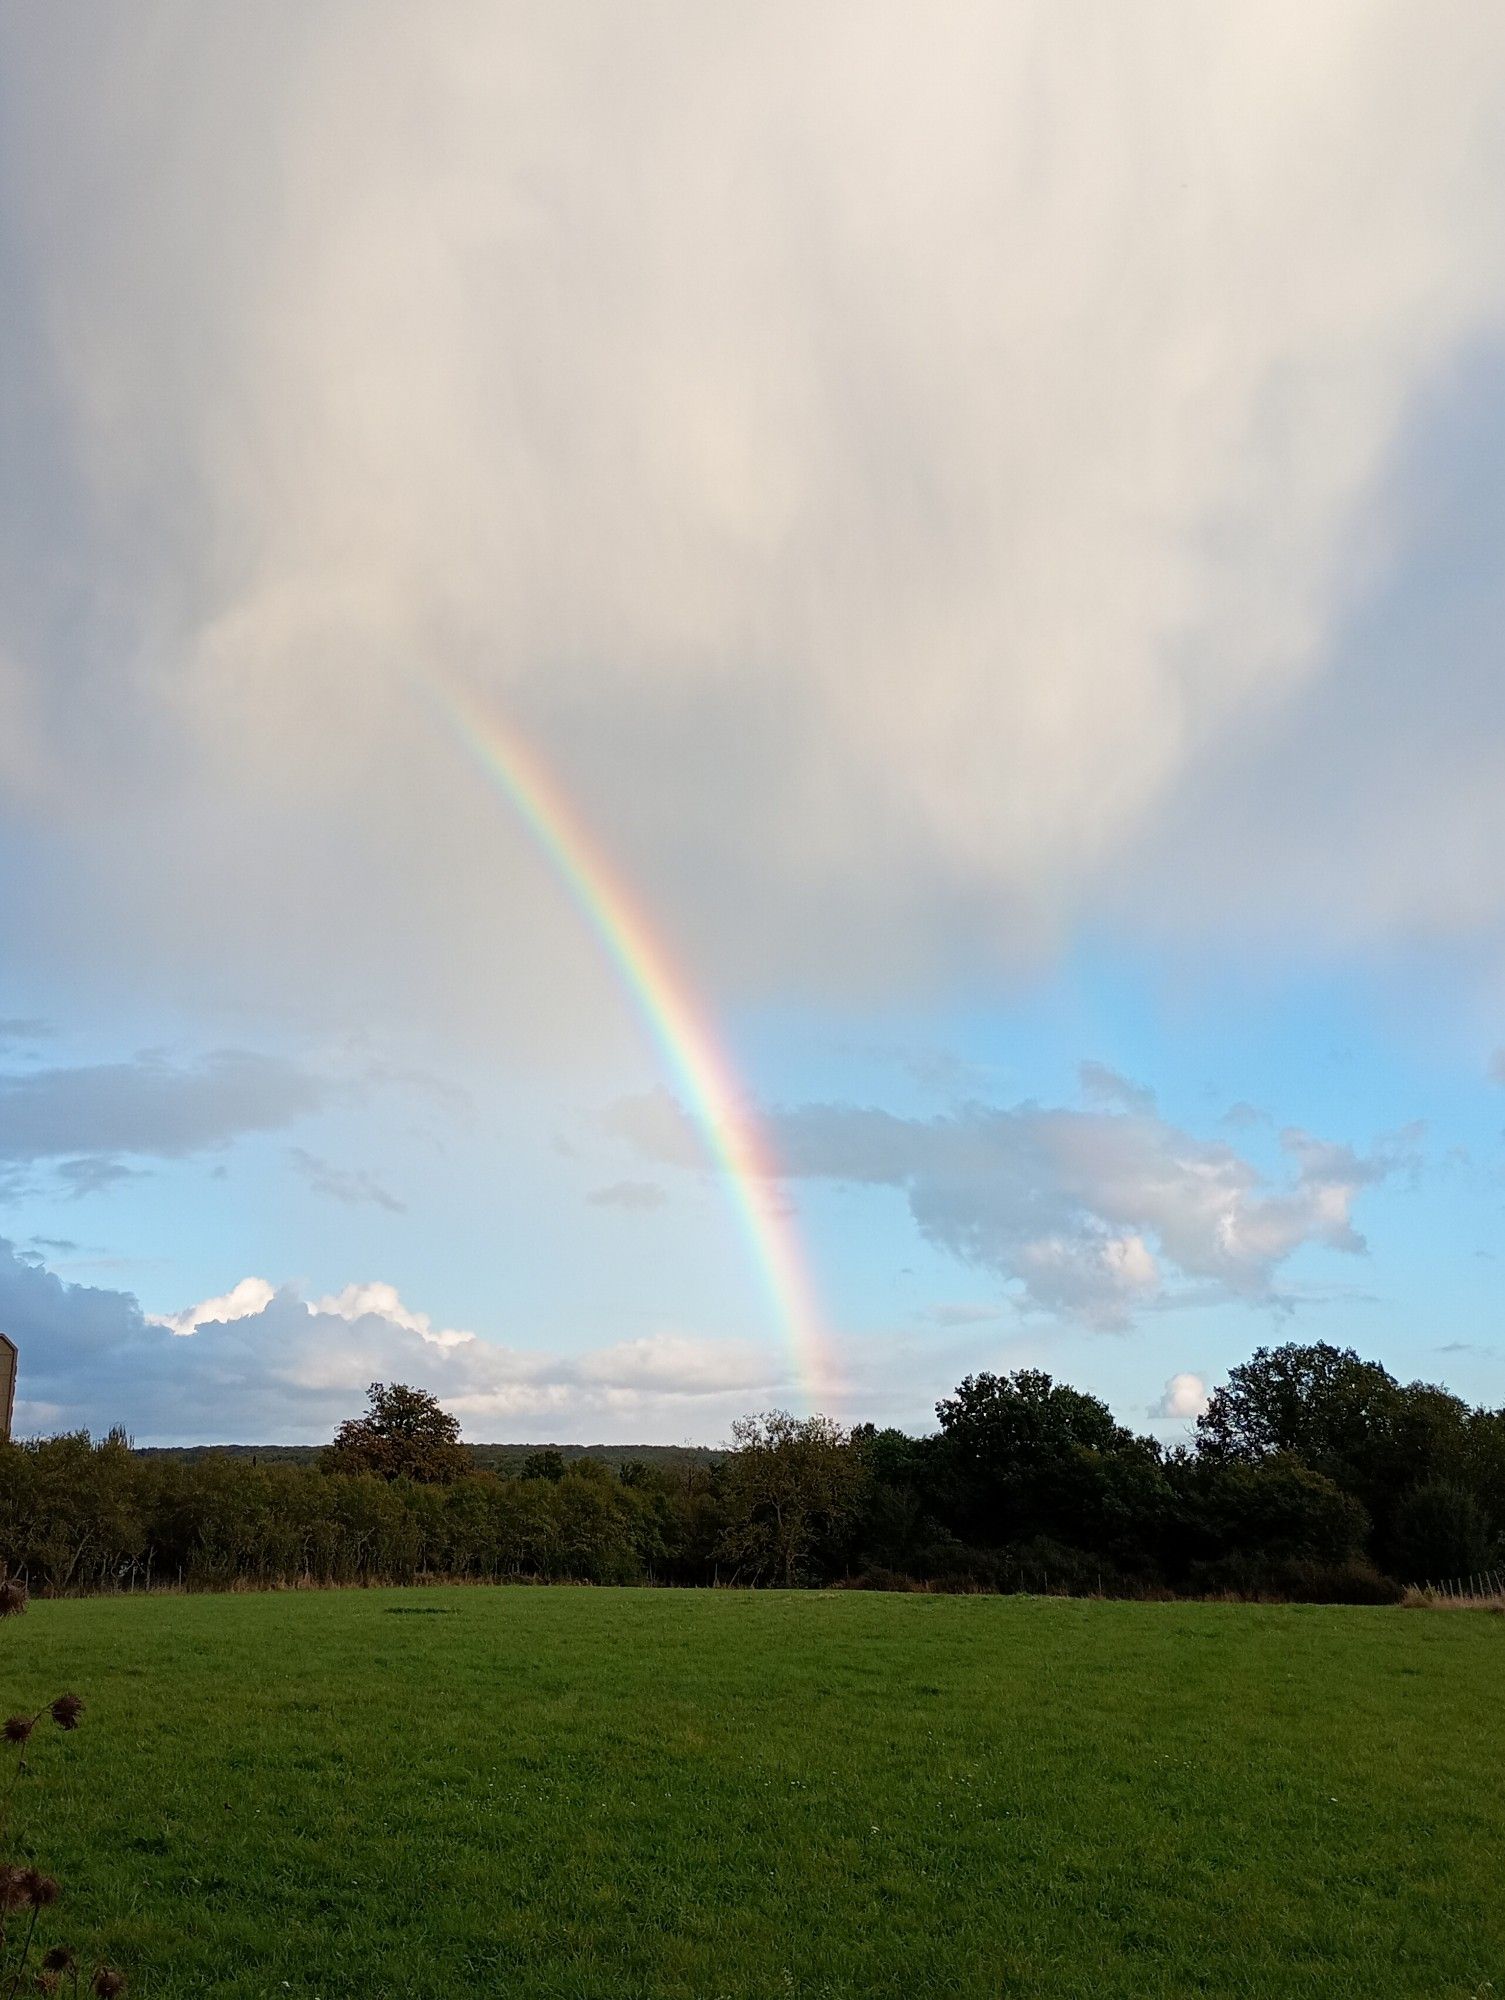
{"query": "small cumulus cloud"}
pixel 1184 1396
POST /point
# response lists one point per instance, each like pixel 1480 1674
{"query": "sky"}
pixel 704 710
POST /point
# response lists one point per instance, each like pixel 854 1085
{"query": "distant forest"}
pixel 506 1459
pixel 1313 1475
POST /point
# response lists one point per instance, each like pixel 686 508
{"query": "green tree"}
pixel 547 1464
pixel 791 1489
pixel 1023 1456
pixel 405 1434
pixel 1440 1532
pixel 1344 1417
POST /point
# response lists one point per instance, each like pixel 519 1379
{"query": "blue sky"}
pixel 994 529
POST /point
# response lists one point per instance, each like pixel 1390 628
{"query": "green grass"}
pixel 619 1793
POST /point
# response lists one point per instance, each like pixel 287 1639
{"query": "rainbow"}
pixel 674 1019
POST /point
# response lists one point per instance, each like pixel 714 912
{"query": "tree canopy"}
pixel 405 1434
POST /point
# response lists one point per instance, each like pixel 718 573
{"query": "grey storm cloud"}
pixel 1093 1214
pixel 149 1107
pixel 903 474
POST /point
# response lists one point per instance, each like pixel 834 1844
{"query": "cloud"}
pixel 1244 1116
pixel 1101 1085
pixel 18 1028
pixel 258 1362
pixel 1184 1396
pixel 250 1296
pixel 962 1312
pixel 641 1195
pixel 895 468
pixel 343 1184
pixel 93 1176
pixel 1094 1215
pixel 149 1107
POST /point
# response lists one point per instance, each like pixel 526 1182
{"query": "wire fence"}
pixel 1479 1587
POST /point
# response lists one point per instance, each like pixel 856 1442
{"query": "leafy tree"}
pixel 1344 1417
pixel 548 1464
pixel 791 1489
pixel 1273 1509
pixel 1440 1532
pixel 1023 1456
pixel 405 1434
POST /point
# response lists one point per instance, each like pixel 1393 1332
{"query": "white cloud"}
pixel 377 1300
pixel 251 1295
pixel 258 1362
pixel 952 426
pixel 680 1364
pixel 1094 1214
pixel 1184 1395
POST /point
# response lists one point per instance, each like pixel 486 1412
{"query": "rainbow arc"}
pixel 664 999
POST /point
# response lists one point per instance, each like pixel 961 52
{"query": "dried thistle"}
pixel 66 1710
pixel 107 1982
pixel 13 1889
pixel 16 1728
pixel 58 1958
pixel 40 1890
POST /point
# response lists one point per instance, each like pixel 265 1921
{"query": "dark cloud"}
pixel 766 497
pixel 150 1107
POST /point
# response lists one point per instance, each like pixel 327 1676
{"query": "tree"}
pixel 1344 1417
pixel 546 1464
pixel 792 1488
pixel 1270 1509
pixel 405 1434
pixel 1440 1532
pixel 1023 1456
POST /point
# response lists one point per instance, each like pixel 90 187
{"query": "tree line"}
pixel 1313 1474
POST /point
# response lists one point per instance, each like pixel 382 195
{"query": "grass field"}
pixel 615 1793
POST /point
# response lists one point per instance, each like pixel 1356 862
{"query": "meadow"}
pixel 587 1794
